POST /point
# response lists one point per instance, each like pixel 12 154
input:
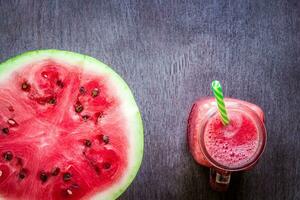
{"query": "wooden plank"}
pixel 168 52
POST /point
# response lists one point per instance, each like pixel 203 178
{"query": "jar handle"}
pixel 219 180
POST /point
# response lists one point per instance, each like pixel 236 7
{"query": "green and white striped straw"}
pixel 217 90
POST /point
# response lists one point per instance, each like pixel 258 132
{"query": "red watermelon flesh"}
pixel 62 136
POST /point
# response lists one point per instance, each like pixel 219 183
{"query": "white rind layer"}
pixel 121 89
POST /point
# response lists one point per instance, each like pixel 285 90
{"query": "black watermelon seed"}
pixel 59 83
pixel 85 117
pixel 78 108
pixel 43 177
pixel 87 143
pixel 95 92
pixel 55 171
pixel 8 156
pixel 105 139
pixel 5 130
pixel 67 176
pixel 81 90
pixel 22 173
pixel 52 101
pixel 106 165
pixel 25 86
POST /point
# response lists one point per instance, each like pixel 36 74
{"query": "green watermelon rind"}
pixel 30 56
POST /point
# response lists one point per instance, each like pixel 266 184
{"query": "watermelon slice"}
pixel 70 128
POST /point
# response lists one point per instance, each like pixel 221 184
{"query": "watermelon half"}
pixel 70 128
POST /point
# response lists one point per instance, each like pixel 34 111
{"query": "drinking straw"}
pixel 218 93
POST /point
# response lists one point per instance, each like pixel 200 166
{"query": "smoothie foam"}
pixel 233 145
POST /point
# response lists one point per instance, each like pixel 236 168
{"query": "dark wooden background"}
pixel 169 52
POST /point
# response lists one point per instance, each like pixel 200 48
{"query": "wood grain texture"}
pixel 168 52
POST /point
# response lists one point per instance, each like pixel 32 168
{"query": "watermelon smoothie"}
pixel 235 147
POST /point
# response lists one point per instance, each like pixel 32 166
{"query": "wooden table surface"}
pixel 169 52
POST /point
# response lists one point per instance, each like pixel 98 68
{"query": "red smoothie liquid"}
pixel 225 149
pixel 233 145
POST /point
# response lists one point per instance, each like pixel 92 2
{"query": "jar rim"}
pixel 260 128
